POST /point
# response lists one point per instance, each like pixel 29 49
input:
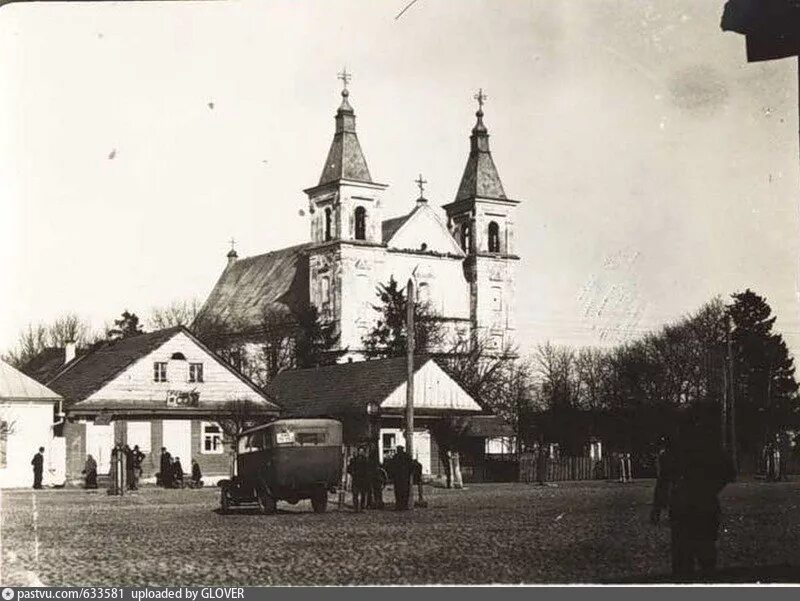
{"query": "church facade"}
pixel 462 258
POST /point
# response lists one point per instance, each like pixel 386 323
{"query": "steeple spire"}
pixel 345 158
pixel 480 174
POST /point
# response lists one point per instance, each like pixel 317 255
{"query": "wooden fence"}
pixel 568 468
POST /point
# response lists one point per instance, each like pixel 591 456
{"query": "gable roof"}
pixel 389 227
pixel 46 365
pixel 437 237
pixel 276 280
pixel 339 389
pixel 89 373
pixel 16 386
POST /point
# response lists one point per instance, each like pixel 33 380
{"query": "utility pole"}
pixel 410 380
pixel 731 388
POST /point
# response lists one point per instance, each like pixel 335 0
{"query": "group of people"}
pixel 171 473
pixel 368 478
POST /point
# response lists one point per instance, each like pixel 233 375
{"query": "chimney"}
pixel 69 351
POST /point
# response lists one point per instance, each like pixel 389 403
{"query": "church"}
pixel 462 258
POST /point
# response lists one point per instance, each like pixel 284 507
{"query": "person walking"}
pixel 400 467
pixel 358 468
pixel 197 475
pixel 38 468
pixel 692 471
pixel 90 472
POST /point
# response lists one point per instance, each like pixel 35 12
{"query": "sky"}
pixel 655 167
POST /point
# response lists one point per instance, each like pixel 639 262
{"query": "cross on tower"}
pixel 421 185
pixel 480 97
pixel 345 77
pixel 233 244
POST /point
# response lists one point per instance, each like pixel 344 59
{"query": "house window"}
pixel 3 444
pixel 361 223
pixel 195 372
pixel 328 217
pixel 494 237
pixel 212 439
pixel 160 371
pixel 466 236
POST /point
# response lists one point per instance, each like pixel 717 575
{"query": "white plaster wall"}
pixel 32 428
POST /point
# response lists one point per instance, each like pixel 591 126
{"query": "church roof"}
pixel 250 287
pixel 345 158
pixel 389 227
pixel 339 389
pixel 16 386
pixel 480 178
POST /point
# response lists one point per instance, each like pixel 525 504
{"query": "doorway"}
pixel 177 437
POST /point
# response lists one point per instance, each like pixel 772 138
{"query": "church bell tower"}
pixel 482 219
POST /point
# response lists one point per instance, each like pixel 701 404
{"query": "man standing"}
pixel 400 468
pixel 377 480
pixel 165 473
pixel 692 471
pixel 359 474
pixel 137 457
pixel 38 468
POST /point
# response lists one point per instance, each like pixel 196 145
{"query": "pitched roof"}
pixel 89 373
pixel 339 389
pixel 276 280
pixel 16 386
pixel 480 176
pixel 389 227
pixel 46 365
pixel 345 158
pixel 487 426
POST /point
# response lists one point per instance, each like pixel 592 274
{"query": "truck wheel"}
pixel 319 502
pixel 266 502
pixel 224 501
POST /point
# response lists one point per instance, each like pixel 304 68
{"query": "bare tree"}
pixel 177 313
pixel 239 415
pixel 35 338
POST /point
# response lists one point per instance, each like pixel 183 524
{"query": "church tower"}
pixel 481 218
pixel 346 230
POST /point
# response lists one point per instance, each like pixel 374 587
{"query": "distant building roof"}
pixel 16 386
pixel 89 373
pixel 250 287
pixel 487 426
pixel 46 365
pixel 348 388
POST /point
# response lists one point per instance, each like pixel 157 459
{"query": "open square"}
pixel 510 533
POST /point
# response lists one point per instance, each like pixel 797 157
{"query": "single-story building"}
pixel 27 414
pixel 161 389
pixel 369 398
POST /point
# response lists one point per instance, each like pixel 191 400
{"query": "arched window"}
pixel 494 237
pixel 361 223
pixel 178 357
pixel 423 293
pixel 466 235
pixel 328 216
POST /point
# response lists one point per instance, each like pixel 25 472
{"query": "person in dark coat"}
pixel 90 472
pixel 197 475
pixel 358 468
pixel 177 473
pixel 38 468
pixel 377 480
pixel 130 473
pixel 138 458
pixel 400 468
pixel 692 470
pixel 165 468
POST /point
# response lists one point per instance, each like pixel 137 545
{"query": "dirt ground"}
pixel 508 533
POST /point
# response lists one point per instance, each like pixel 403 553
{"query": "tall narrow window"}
pixel 195 372
pixel 466 236
pixel 328 218
pixel 160 371
pixel 361 223
pixel 494 237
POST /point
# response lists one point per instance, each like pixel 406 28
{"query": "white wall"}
pixel 31 425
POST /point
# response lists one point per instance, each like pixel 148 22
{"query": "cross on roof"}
pixel 480 97
pixel 421 185
pixel 232 243
pixel 345 77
